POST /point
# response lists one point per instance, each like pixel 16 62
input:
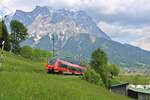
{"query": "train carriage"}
pixel 64 66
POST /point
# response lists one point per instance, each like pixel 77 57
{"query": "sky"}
pixel 126 21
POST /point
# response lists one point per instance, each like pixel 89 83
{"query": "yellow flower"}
pixel 31 98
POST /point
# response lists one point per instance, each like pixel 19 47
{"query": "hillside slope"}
pixel 23 79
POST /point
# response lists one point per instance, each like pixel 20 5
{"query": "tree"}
pixel 92 77
pixel 35 54
pixel 0 28
pixel 27 52
pixel 4 36
pixel 18 34
pixel 113 70
pixel 40 54
pixel 99 63
pixel 84 63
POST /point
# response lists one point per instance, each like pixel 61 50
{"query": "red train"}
pixel 65 67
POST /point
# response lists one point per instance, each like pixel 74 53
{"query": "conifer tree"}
pixel 4 36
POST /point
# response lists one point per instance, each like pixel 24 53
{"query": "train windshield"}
pixel 51 61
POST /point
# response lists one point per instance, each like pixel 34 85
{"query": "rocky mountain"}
pixel 45 20
pixel 75 33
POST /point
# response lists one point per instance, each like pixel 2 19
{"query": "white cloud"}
pixel 143 43
pixel 13 5
pixel 108 6
pixel 123 11
pixel 5 1
pixel 127 34
pixel 104 6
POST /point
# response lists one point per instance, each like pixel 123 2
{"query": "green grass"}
pixel 22 79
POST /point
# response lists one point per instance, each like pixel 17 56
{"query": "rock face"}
pixel 75 33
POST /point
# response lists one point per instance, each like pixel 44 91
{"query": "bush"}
pixel 92 77
pixel 113 69
pixel 35 54
pixel 41 55
pixel 27 52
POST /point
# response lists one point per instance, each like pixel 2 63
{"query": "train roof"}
pixel 68 59
pixel 139 90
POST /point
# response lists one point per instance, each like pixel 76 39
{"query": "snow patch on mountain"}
pixel 92 38
pixel 42 26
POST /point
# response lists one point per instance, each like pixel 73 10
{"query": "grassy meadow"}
pixel 22 79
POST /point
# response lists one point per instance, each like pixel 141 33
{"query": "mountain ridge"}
pixel 60 15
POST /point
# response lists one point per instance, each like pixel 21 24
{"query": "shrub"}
pixel 35 54
pixel 41 55
pixel 27 52
pixel 92 77
pixel 113 69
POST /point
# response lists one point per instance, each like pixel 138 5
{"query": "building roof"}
pixel 139 90
pixel 119 84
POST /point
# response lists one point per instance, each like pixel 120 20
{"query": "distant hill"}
pixel 75 32
pixel 124 55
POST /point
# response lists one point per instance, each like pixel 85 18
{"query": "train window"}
pixel 71 68
pixel 78 69
pixel 63 65
pixel 74 68
pixel 82 70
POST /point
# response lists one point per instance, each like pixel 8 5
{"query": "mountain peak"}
pixel 42 7
pixel 42 10
pixel 68 21
pixel 19 12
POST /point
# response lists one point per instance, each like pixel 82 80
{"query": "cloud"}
pixel 5 1
pixel 143 43
pixel 127 34
pixel 13 5
pixel 121 11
